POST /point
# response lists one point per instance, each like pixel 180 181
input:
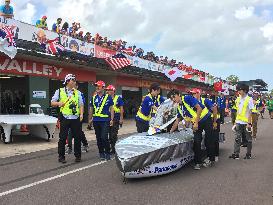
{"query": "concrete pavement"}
pixel 37 178
pixel 23 144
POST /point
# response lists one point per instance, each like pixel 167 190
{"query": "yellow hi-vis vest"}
pixel 98 110
pixel 141 115
pixel 204 112
pixel 158 103
pixel 116 109
pixel 64 99
pixel 234 107
pixel 255 110
pixel 242 116
pixel 203 102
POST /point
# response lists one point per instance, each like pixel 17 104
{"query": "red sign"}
pixel 101 52
pixel 26 67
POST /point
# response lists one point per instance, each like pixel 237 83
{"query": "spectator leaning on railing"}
pixel 88 37
pixel 6 10
pixel 56 27
pixel 97 39
pixel 42 23
pixel 65 29
pixel 80 35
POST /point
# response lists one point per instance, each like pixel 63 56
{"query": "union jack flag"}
pixel 7 41
pixel 7 33
pixel 54 47
pixel 118 61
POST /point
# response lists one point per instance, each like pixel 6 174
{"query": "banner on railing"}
pixel 31 33
pixel 101 52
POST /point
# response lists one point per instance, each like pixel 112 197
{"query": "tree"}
pixel 233 79
pixel 271 92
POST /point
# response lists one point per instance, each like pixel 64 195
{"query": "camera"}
pixel 73 107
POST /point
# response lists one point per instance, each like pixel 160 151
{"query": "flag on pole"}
pixel 174 73
pixel 118 61
pixel 218 86
pixel 7 42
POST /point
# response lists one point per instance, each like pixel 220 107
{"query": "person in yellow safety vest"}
pixel 144 113
pixel 157 102
pixel 42 23
pixel 200 116
pixel 118 117
pixel 210 140
pixel 255 113
pixel 244 104
pixel 71 106
pixel 102 116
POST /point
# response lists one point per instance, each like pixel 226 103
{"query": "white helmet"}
pixel 69 77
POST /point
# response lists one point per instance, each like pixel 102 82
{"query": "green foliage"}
pixel 233 79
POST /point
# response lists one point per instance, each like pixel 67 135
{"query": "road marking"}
pixel 50 179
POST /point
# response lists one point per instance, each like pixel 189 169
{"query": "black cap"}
pixel 243 87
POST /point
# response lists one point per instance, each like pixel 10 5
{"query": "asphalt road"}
pixel 38 178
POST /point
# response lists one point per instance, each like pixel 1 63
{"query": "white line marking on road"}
pixel 49 179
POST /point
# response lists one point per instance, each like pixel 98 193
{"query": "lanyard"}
pixel 66 92
pixel 99 103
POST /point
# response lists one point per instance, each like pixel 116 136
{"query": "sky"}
pixel 220 37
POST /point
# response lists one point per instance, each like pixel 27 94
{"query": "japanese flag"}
pixel 174 73
pixel 218 86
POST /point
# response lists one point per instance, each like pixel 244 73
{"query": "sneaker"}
pixel 216 159
pixel 68 151
pixel 85 148
pixel 207 163
pixel 107 157
pixel 243 145
pixel 102 156
pixel 78 159
pixel 248 156
pixel 197 167
pixel 234 156
pixel 62 160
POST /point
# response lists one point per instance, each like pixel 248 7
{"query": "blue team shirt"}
pixel 221 102
pixel 260 104
pixel 55 27
pixel 161 100
pixel 231 103
pixel 192 102
pixel 146 108
pixel 156 103
pixel 208 103
pixel 106 108
pixel 119 104
pixel 4 9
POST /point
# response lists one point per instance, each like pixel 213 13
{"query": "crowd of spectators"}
pixel 75 31
pixel 119 45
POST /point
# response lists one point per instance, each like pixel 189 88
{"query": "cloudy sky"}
pixel 220 37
